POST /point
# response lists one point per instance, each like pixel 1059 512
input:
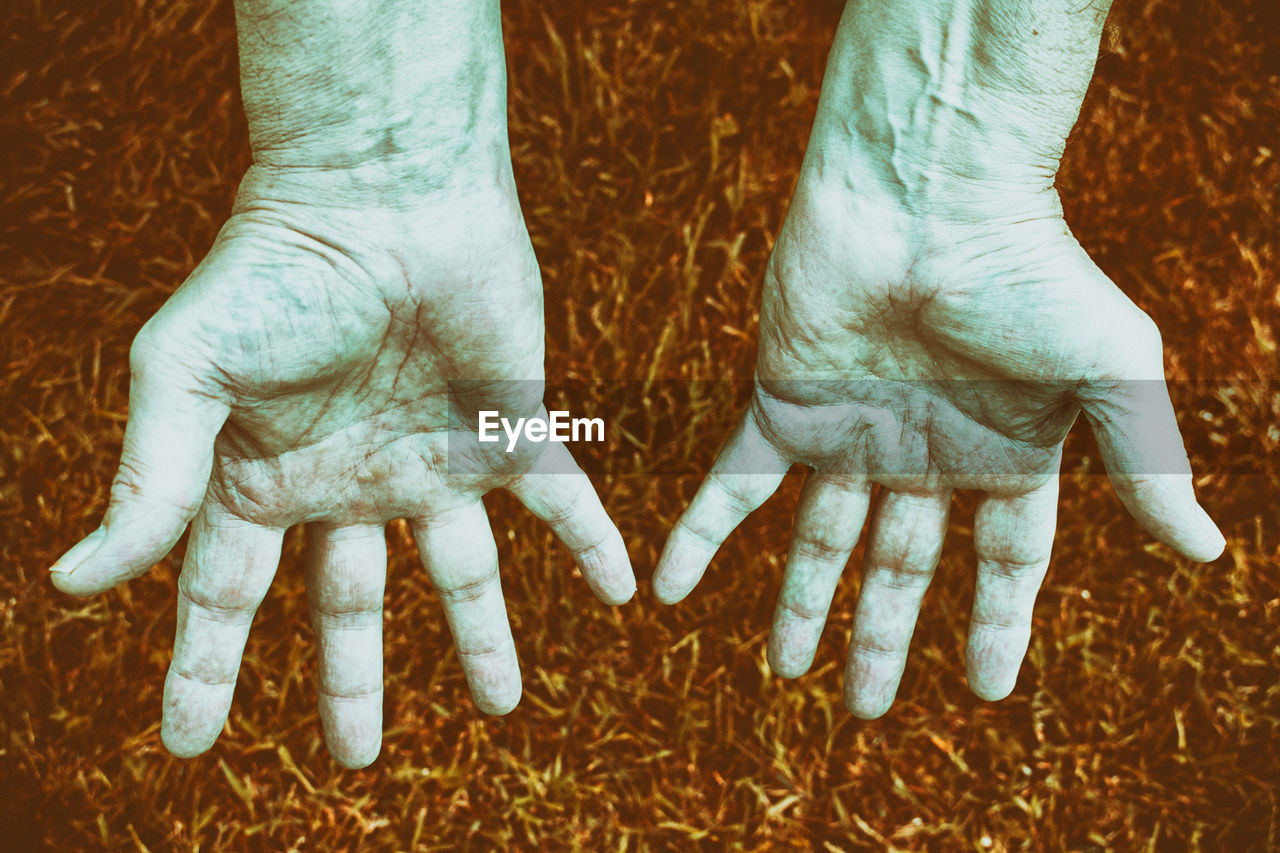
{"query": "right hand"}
pixel 301 375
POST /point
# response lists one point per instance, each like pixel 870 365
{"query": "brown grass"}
pixel 656 142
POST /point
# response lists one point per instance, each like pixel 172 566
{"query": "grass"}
pixel 656 143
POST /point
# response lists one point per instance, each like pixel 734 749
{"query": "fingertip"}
pixel 356 759
pixel 867 710
pixel 93 577
pixel 496 688
pixel 501 704
pixel 111 556
pixel 179 751
pixel 991 689
pixel 185 744
pixel 193 714
pixel 619 596
pixel 79 554
pixel 68 583
pixel 352 729
pixel 793 643
pixel 868 696
pixel 1208 543
pixel 993 658
pixel 90 579
pixel 787 665
pixel 667 591
pixel 608 571
pixel 679 569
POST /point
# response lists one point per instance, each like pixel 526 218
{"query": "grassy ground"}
pixel 656 142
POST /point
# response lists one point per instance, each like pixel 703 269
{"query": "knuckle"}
pixel 1144 332
pixel 594 553
pixel 469 592
pixel 1011 568
pixel 480 651
pixel 998 624
pixel 347 612
pixel 127 485
pixel 735 494
pixel 145 351
pixel 899 577
pixel 803 611
pixel 225 603
pixel 141 491
pixel 819 550
pixel 873 647
pixel 209 678
pixel 695 527
pixel 343 693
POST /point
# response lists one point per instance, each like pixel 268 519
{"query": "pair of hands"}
pixel 922 339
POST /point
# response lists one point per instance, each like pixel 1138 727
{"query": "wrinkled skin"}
pixel 928 324
pixel 301 375
pixel 1003 350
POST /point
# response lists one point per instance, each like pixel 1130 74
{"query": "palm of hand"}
pixel 951 366
pixel 343 385
pixel 927 356
pixel 303 375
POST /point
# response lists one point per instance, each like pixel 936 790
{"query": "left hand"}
pixel 926 354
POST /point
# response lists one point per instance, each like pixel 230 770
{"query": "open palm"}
pixel 928 354
pixel 305 373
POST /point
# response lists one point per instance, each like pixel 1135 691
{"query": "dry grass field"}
pixel 656 143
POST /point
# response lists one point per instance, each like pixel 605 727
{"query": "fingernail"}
pixel 82 551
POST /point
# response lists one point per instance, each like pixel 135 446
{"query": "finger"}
pixel 164 471
pixel 346 577
pixel 228 568
pixel 1138 437
pixel 743 477
pixel 902 554
pixel 829 521
pixel 1013 536
pixel 461 560
pixel 559 493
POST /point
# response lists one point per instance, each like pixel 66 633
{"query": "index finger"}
pixel 1014 537
pixel 229 566
pixel 743 477
pixel 558 492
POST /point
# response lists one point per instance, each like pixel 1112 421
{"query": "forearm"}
pixel 927 101
pixel 409 89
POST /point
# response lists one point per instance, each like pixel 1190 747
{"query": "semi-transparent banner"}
pixel 959 431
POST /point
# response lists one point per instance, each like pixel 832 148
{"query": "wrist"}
pixel 403 97
pixel 944 106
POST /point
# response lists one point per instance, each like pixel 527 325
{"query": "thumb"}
pixel 1137 434
pixel 164 471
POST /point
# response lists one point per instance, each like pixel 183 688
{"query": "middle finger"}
pixel 902 554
